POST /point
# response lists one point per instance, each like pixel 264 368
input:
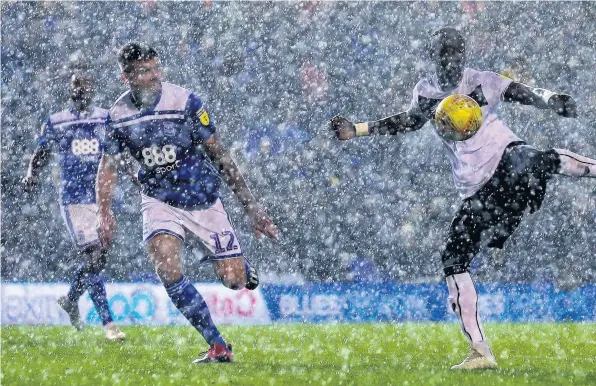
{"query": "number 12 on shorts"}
pixel 217 239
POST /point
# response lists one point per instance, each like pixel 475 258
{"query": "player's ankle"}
pixel 482 347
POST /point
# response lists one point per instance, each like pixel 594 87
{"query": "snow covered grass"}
pixel 363 354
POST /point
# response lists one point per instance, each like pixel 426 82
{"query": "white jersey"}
pixel 474 160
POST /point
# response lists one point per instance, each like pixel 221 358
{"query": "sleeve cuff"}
pixel 362 129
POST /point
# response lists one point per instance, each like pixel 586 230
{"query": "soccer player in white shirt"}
pixel 497 174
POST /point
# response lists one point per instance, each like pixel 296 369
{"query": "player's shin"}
pixel 575 165
pixel 463 300
pixel 96 261
pixel 192 305
pixel 78 283
pixel 98 295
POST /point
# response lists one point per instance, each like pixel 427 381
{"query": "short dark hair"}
pixel 134 52
pixel 446 35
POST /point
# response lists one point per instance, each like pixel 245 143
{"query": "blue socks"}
pixel 78 285
pixel 192 305
pixel 84 279
pixel 97 292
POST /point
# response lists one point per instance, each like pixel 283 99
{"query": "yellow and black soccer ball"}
pixel 458 117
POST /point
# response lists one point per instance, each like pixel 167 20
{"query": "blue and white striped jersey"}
pixel 165 140
pixel 78 140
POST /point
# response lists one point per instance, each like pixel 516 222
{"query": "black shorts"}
pixel 519 183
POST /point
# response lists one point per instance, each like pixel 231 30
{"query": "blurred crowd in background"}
pixel 272 75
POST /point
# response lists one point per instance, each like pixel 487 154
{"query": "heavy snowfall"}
pixel 273 74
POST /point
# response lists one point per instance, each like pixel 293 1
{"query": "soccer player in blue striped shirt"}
pixel 168 130
pixel 76 134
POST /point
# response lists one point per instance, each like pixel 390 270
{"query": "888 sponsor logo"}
pixel 160 157
pixel 83 147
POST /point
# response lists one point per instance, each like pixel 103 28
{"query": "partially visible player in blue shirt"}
pixel 167 129
pixel 76 135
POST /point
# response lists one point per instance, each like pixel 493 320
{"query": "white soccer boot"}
pixel 480 358
pixel 113 333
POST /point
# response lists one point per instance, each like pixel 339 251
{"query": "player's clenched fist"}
pixel 343 128
pixel 563 104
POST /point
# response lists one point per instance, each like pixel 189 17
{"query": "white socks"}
pixel 464 302
pixel 575 165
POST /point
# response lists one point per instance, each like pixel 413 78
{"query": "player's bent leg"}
pixel 78 282
pixel 87 277
pixel 214 228
pixel 78 286
pixel 80 220
pixel 164 251
pixel 575 165
pixel 79 279
pixel 98 295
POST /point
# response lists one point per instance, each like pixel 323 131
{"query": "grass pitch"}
pixel 325 354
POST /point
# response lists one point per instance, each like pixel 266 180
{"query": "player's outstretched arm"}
pixel 107 176
pixel 403 122
pixel 261 222
pixel 562 104
pixel 39 160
